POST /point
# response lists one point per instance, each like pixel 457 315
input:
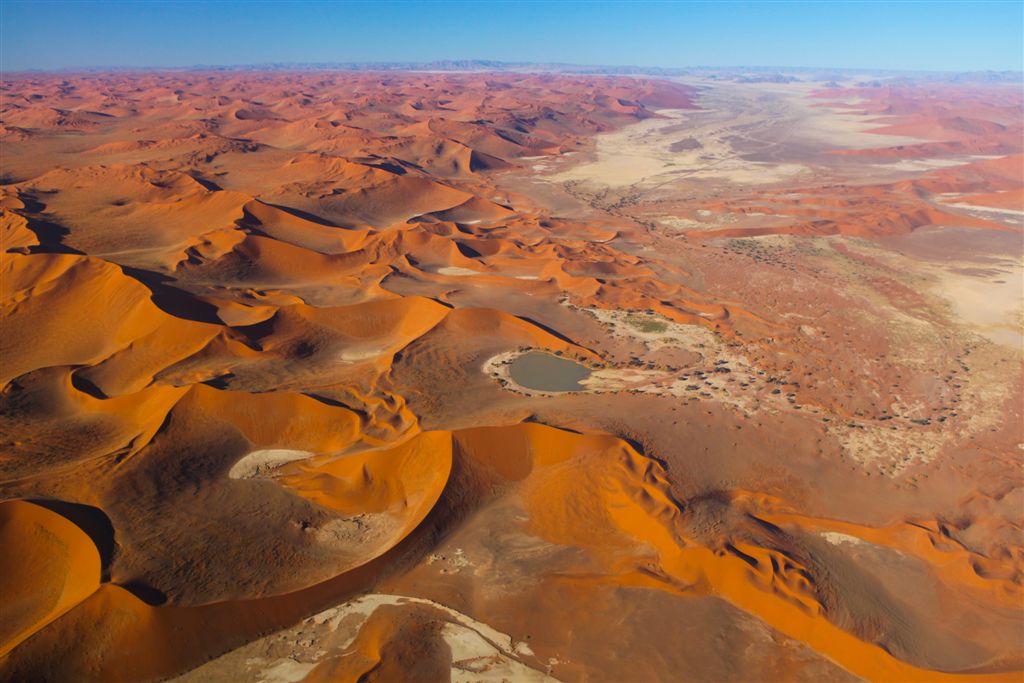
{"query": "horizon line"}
pixel 483 65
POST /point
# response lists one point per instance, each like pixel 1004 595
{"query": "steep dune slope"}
pixel 57 569
pixel 258 422
pixel 639 535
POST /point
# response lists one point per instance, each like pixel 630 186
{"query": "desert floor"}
pixel 267 347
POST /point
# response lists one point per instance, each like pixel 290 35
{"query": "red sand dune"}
pixel 248 321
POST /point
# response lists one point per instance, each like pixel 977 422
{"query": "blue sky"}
pixel 898 35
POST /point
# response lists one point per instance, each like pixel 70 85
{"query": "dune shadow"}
pixel 143 591
pixel 467 250
pixel 222 382
pixel 86 386
pixel 306 216
pixel 390 167
pixel 549 330
pixel 50 234
pixel 207 184
pixel 439 301
pixel 95 524
pixel 51 238
pixel 532 418
pixel 92 521
pixel 363 416
pixel 171 300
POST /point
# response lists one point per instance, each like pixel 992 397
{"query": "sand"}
pixel 260 421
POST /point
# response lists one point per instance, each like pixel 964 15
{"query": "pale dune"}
pixel 258 422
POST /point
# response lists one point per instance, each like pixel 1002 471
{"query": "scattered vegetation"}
pixel 645 323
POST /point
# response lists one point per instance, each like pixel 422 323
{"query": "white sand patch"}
pixel 737 123
pixel 259 462
pixel 992 305
pixel 637 153
pixel 916 165
pixel 456 561
pixel 827 121
pixel 479 652
pixel 629 155
pixel 836 538
pixel 457 271
pixel 616 379
pixel 980 208
pixel 286 671
pixel 356 354
pixel 476 660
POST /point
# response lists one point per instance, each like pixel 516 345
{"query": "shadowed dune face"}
pixel 57 567
pixel 258 417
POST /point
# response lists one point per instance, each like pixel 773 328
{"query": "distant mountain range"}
pixel 742 74
pixel 459 65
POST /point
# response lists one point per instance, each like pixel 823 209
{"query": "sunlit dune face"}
pixel 264 414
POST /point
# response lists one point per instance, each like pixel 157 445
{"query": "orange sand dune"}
pixel 624 501
pixel 37 287
pixel 57 569
pixel 261 414
pixel 1007 199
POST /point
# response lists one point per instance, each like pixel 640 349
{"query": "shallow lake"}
pixel 544 372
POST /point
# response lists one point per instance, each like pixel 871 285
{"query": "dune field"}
pixel 266 336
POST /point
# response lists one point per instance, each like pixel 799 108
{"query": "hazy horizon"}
pixel 897 36
pixel 508 66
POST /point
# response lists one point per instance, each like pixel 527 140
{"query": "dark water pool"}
pixel 544 372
